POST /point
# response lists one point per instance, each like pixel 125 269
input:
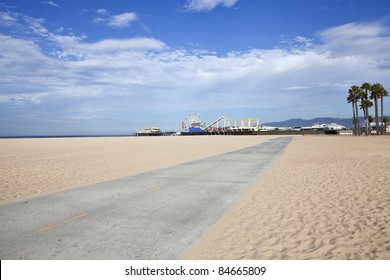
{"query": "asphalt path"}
pixel 153 215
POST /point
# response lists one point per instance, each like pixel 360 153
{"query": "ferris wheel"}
pixel 192 120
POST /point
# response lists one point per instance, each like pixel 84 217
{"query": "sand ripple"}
pixel 326 198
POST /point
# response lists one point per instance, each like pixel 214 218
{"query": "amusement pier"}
pixel 194 125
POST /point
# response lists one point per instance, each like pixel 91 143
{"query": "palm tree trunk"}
pixel 382 127
pixel 368 122
pixel 354 118
pixel 357 119
pixel 365 111
pixel 364 116
pixel 376 115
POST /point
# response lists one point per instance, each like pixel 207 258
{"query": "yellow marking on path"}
pixel 46 228
pixel 79 216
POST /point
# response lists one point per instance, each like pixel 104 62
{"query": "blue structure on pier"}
pixel 196 130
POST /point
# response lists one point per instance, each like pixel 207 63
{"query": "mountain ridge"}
pixel 298 122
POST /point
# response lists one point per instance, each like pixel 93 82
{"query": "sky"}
pixel 113 66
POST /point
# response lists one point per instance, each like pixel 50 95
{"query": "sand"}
pixel 327 197
pixel 33 167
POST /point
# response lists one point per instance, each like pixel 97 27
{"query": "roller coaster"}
pixel 193 124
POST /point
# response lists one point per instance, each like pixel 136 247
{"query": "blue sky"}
pixel 114 66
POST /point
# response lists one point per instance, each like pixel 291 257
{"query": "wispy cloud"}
pixel 7 19
pixel 118 21
pixel 102 12
pixel 207 5
pixel 24 25
pixel 122 20
pixel 74 46
pixel 357 38
pixel 51 3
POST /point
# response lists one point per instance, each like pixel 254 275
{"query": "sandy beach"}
pixel 32 167
pixel 325 198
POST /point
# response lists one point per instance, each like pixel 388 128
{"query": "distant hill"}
pixel 301 122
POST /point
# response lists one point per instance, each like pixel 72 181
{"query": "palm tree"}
pixel 376 91
pixel 384 93
pixel 365 104
pixel 353 97
pixel 350 99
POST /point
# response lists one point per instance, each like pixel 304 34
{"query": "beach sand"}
pixel 32 167
pixel 327 197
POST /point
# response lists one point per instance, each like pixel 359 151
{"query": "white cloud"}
pixel 20 55
pixel 7 19
pixel 207 5
pixel 74 46
pixel 354 31
pixel 36 25
pixel 119 21
pixel 23 24
pixel 102 12
pixel 358 39
pixel 122 20
pixel 51 3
